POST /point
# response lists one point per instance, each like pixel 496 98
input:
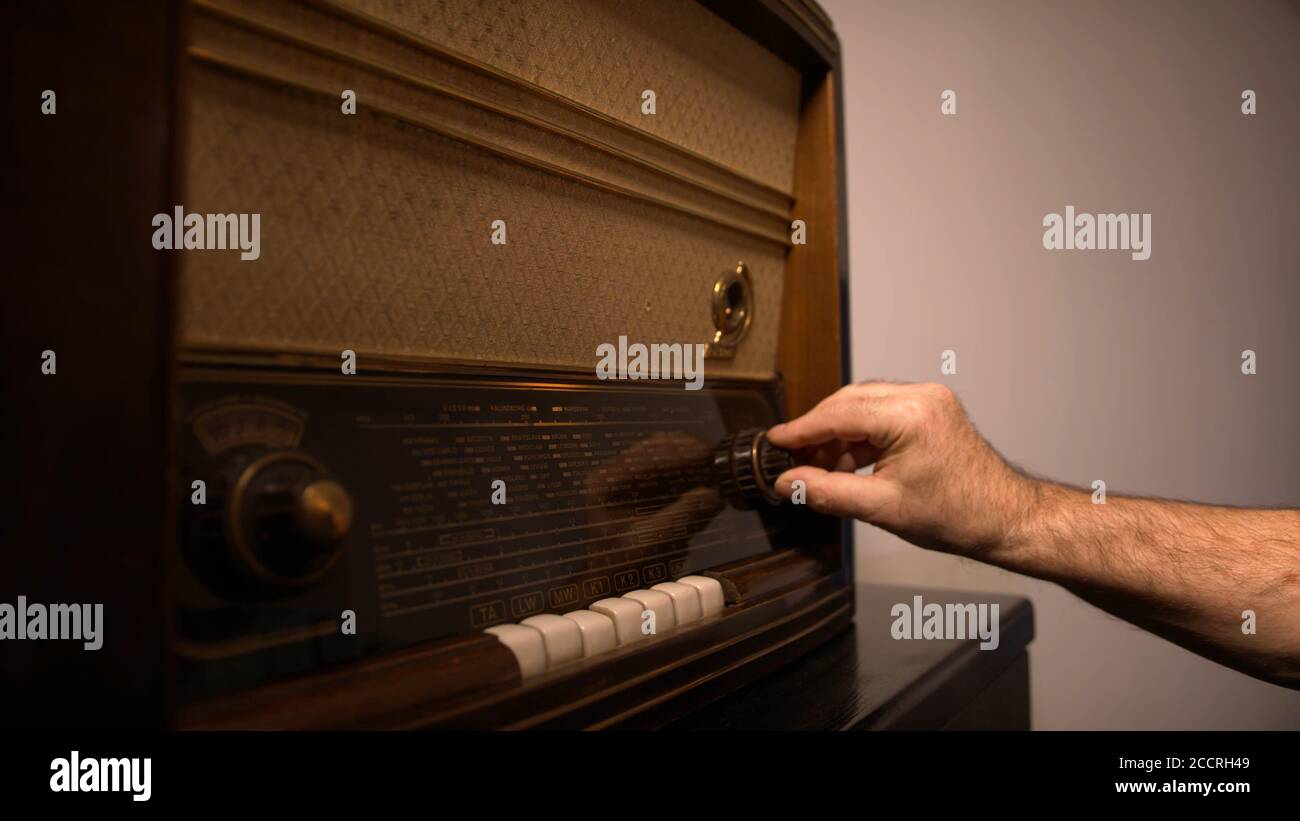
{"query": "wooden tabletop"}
pixel 866 679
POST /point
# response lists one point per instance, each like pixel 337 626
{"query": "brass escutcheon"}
pixel 733 311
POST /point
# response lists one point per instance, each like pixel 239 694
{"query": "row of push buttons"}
pixel 542 643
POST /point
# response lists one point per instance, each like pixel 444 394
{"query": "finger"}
pixel 858 456
pixel 838 455
pixel 846 463
pixel 840 494
pixel 854 418
pixel 881 390
pixel 827 455
pixel 858 394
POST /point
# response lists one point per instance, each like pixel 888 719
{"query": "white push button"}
pixel 527 645
pixel 660 604
pixel 597 631
pixel 686 601
pixel 562 637
pixel 711 599
pixel 626 615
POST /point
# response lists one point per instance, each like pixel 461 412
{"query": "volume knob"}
pixel 288 519
pixel 323 512
pixel 746 467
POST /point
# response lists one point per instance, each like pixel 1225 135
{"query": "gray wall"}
pixel 1087 365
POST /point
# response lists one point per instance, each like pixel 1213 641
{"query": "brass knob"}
pixel 287 520
pixel 732 308
pixel 324 512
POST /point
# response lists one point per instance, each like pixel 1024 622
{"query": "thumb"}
pixel 840 493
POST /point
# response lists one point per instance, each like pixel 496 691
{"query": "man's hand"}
pixel 936 483
pixel 1224 582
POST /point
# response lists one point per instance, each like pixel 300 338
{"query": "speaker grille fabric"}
pixel 718 92
pixel 375 237
pixel 376 227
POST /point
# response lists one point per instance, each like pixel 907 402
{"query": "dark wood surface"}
pixel 364 695
pixel 865 679
pixel 86 446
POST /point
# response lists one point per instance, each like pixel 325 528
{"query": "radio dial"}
pixel 288 519
pixel 746 467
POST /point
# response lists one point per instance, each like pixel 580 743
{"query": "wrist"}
pixel 1029 518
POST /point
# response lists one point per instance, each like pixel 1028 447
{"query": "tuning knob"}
pixel 287 519
pixel 746 467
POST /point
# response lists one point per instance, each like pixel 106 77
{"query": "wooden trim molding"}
pixel 809 354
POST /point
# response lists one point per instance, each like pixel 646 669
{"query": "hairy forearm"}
pixel 1223 582
pixel 1187 571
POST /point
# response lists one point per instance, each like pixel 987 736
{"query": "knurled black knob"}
pixel 746 467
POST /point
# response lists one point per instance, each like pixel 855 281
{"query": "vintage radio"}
pixel 330 433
